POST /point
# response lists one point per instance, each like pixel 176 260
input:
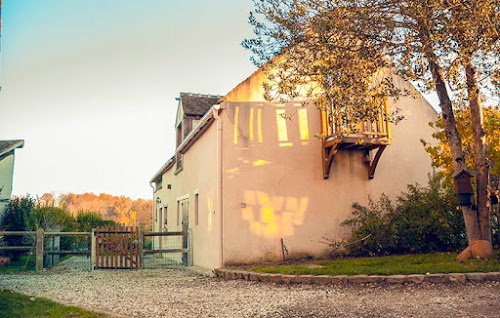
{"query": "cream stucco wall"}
pixel 272 180
pixel 6 174
pixel 197 176
pixel 273 185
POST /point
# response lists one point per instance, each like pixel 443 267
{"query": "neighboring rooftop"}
pixel 9 145
pixel 197 104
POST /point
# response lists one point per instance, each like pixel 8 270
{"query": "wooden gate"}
pixel 117 247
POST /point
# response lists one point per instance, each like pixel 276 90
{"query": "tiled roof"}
pixel 197 104
pixel 8 145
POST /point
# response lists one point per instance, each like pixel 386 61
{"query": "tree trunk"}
pixel 480 153
pixel 455 144
pixel 450 126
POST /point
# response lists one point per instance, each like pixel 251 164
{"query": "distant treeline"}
pixel 120 209
pixel 25 213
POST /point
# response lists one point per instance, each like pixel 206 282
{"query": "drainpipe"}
pixel 215 110
pixel 153 211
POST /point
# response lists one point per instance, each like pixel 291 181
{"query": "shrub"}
pixel 87 220
pixel 371 233
pixel 52 218
pixel 17 211
pixel 424 219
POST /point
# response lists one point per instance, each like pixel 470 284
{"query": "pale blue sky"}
pixel 90 85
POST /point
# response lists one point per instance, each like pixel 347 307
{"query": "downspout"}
pixel 216 109
pixel 152 211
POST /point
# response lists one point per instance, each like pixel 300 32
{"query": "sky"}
pixel 90 85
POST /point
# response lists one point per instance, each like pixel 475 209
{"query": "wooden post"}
pixel 39 249
pixel 93 244
pixel 141 249
pixel 283 250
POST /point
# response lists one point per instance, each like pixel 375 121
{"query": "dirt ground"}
pixel 183 293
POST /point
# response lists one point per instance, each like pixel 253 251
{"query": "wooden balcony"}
pixel 374 134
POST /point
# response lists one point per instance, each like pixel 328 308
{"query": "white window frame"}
pixel 179 199
pixel 196 204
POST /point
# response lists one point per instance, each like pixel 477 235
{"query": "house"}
pixel 7 149
pixel 244 178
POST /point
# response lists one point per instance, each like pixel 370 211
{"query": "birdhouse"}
pixel 463 188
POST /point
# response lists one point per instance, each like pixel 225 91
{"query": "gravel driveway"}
pixel 182 293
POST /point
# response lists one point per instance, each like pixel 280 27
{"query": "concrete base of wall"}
pixel 457 278
pixel 202 271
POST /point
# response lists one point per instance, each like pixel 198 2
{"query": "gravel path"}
pixel 181 293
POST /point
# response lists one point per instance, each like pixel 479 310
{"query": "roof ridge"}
pixel 199 94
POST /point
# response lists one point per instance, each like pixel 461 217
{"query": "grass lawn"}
pixel 14 305
pixel 18 266
pixel 387 265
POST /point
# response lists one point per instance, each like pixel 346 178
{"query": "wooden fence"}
pixel 117 248
pixel 40 235
pixel 111 247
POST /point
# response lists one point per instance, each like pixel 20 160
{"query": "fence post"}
pixel 141 249
pixel 39 249
pixel 92 250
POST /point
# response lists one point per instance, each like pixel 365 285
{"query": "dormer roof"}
pixel 7 146
pixel 197 104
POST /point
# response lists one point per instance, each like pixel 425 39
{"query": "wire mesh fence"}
pixel 166 250
pixel 68 250
pixel 17 250
pixel 73 250
pixel 58 248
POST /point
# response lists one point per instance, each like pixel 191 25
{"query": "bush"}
pixel 52 218
pixel 17 211
pixel 87 220
pixel 424 219
pixel 28 214
pixel 371 233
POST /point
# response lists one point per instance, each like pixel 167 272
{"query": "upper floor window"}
pixel 179 157
pixel 158 183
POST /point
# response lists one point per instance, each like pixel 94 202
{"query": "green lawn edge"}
pixel 26 263
pixel 16 305
pixel 386 265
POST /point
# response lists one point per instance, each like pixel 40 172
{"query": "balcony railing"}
pixel 365 135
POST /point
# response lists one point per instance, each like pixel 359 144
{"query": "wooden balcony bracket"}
pixel 373 134
pixel 372 164
pixel 329 151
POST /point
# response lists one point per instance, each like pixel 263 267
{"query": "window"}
pixel 178 158
pixel 165 216
pixel 159 219
pixel 159 183
pixel 182 207
pixel 179 134
pixel 196 209
pixel 178 211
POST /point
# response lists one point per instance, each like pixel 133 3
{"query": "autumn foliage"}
pixel 120 209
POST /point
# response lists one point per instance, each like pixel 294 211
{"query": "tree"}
pixel 440 152
pixel 120 209
pixel 308 52
pixel 441 158
pixel 14 219
pixel 440 44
